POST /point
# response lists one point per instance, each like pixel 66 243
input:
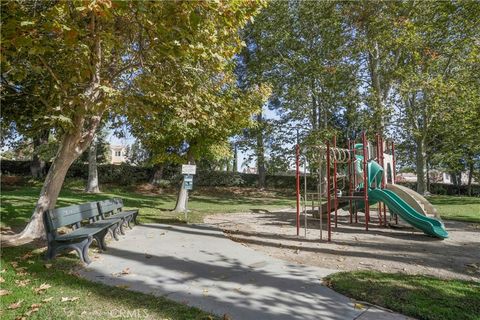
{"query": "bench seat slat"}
pixel 83 232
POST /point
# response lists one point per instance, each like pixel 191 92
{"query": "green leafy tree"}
pixel 94 54
pixel 435 85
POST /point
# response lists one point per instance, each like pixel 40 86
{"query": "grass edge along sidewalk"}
pixel 418 296
pixel 34 289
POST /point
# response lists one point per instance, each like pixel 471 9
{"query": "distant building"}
pixel 118 154
pixel 436 176
pixel 248 169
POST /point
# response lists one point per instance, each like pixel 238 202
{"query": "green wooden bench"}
pixel 113 209
pixel 82 235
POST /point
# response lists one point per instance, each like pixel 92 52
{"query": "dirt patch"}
pixel 352 248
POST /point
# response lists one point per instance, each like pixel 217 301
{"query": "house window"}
pixel 118 153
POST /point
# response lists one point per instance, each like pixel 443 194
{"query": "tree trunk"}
pixel 427 162
pixel 470 177
pixel 67 153
pixel 157 174
pixel 420 164
pixel 182 199
pixel 260 154
pixel 92 183
pixel 235 158
pixel 37 166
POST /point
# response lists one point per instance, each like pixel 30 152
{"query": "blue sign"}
pixel 188 182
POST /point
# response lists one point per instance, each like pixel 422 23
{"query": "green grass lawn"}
pixel 66 296
pixel 82 299
pixel 421 297
pixel 457 208
pixel 18 203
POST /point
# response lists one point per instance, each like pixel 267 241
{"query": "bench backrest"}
pixel 107 206
pixel 110 206
pixel 71 215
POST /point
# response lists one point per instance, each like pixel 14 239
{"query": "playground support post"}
pixel 380 222
pixel 329 225
pixel 382 159
pixel 350 182
pixel 335 197
pixel 365 180
pixel 394 168
pixel 297 173
pixel 319 187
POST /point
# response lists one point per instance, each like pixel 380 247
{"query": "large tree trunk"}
pixel 69 150
pixel 260 154
pixel 37 166
pixel 420 164
pixel 470 177
pixel 378 89
pixel 92 182
pixel 182 199
pixel 157 174
pixel 235 158
pixel 427 162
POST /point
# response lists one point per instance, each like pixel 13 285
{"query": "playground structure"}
pixel 368 179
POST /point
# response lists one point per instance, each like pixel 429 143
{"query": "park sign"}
pixel 188 182
pixel 189 169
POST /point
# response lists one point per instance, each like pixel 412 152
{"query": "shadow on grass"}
pixel 96 301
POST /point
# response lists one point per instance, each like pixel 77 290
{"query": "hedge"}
pixel 125 174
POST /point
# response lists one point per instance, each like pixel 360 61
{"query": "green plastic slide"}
pixel 430 226
pixel 395 204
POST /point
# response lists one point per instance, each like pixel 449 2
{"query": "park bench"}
pixel 82 235
pixel 113 209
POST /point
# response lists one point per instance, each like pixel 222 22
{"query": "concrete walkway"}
pixel 198 265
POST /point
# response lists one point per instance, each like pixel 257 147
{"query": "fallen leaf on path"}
pixel 359 306
pixel 122 286
pixel 15 305
pixel 4 292
pixel 47 300
pixel 42 288
pixel 226 317
pixel 125 271
pixel 68 299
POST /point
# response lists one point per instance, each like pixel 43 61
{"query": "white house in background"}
pixel 249 169
pixel 436 176
pixel 118 154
